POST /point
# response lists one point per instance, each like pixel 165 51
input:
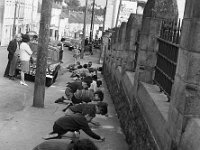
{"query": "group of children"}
pixel 83 99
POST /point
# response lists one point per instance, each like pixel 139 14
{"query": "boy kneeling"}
pixel 74 122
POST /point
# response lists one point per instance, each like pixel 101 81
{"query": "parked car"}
pixel 53 64
pixel 72 43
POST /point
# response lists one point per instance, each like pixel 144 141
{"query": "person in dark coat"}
pixel 74 123
pixel 99 108
pixel 86 42
pixel 13 45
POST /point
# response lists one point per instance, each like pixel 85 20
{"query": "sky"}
pixel 181 7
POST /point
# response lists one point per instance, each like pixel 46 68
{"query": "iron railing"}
pixel 167 55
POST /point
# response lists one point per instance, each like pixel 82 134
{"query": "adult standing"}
pixel 61 50
pixel 25 55
pixel 12 47
pixel 86 42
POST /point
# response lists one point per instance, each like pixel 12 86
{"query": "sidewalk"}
pixel 26 129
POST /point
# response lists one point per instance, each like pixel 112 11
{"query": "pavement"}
pixel 24 128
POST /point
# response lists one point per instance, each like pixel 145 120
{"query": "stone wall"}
pixel 133 123
pixel 148 119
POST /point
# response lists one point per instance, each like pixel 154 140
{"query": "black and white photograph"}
pixel 100 75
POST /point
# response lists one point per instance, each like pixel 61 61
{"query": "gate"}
pixel 167 55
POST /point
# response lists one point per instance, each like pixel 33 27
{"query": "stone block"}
pixel 122 32
pixel 167 141
pixel 144 41
pixel 175 124
pixel 130 61
pixel 150 99
pixel 118 74
pixel 193 72
pixel 146 25
pixel 192 103
pixel 128 84
pixel 133 39
pixel 185 42
pixel 177 95
pixel 151 58
pixel 186 98
pixel 141 59
pixel 188 66
pixel 182 64
pixel 113 67
pixel 145 74
pixel 155 24
pixel 191 137
pixel 152 43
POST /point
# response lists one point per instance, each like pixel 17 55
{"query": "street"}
pixel 13 95
pixel 22 126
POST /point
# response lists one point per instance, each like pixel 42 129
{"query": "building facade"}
pixel 76 20
pixel 55 20
pixel 17 16
pixel 127 7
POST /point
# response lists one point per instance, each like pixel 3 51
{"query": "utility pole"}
pixel 14 21
pixel 40 77
pixel 84 28
pixel 92 20
pixel 120 3
pixel 104 23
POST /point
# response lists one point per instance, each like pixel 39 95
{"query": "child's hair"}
pixel 85 66
pixel 99 83
pixel 88 111
pixel 87 80
pixel 89 64
pixel 103 107
pixel 35 37
pixel 99 69
pixel 83 144
pixel 100 94
pixel 94 77
pixel 62 39
pixel 79 67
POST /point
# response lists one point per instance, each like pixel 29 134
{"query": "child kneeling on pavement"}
pixel 74 122
pixel 86 96
pixel 72 87
pixel 99 108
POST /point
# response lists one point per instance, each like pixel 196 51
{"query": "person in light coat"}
pixel 25 56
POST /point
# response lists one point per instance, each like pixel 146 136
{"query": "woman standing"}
pixel 25 55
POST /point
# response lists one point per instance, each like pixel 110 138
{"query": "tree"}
pixel 73 4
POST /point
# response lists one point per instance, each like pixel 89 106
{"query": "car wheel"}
pixel 49 81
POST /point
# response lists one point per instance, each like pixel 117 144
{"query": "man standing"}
pixel 12 47
pixel 61 50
